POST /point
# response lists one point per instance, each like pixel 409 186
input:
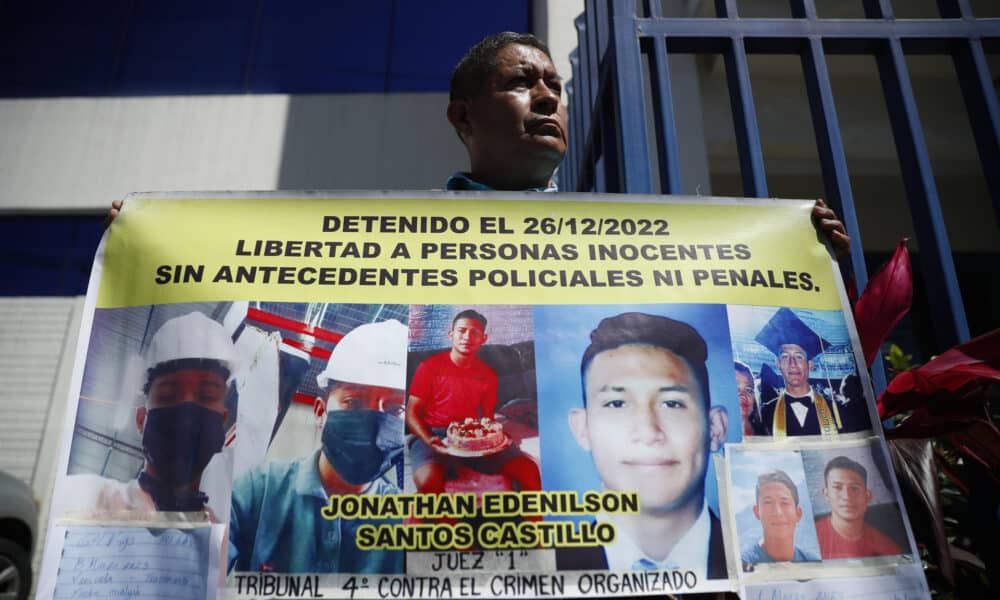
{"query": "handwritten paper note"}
pixel 906 584
pixel 134 562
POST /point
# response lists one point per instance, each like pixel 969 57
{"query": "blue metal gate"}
pixel 610 144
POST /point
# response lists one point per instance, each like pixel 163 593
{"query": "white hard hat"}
pixel 193 335
pixel 370 354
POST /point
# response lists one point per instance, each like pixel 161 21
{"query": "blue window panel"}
pixel 432 36
pixel 145 47
pixel 186 47
pixel 319 47
pixel 46 255
pixel 58 48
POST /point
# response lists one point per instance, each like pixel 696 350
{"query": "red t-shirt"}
pixel 871 543
pixel 452 393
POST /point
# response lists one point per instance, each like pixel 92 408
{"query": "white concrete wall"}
pixel 80 153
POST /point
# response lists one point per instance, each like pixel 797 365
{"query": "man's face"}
pixel 645 426
pixel 744 389
pixel 355 396
pixel 467 336
pixel 519 117
pixel 777 510
pixel 197 386
pixel 794 365
pixel 847 494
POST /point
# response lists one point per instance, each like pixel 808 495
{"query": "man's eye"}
pixel 614 403
pixel 673 403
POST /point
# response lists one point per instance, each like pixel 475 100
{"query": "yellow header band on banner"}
pixel 448 251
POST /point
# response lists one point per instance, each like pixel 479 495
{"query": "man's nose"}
pixel 544 99
pixel 188 394
pixel 646 427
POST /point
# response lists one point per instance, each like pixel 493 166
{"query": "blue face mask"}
pixel 362 444
pixel 180 440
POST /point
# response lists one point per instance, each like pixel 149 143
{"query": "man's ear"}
pixel 756 512
pixel 319 407
pixel 140 419
pixel 810 368
pixel 798 514
pixel 578 425
pixel 458 116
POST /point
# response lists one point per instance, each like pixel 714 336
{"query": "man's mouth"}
pixel 544 126
pixel 651 462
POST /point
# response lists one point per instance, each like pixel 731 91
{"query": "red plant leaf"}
pixel 968 368
pixel 980 441
pixel 886 299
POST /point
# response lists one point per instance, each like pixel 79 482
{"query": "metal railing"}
pixel 610 149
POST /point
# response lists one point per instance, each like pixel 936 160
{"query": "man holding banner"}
pixel 505 105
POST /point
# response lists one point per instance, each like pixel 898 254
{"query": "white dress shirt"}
pixel 690 552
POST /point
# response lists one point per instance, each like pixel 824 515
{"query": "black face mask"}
pixel 362 444
pixel 180 440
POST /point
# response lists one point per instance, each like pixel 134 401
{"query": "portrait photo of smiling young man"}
pixel 771 506
pixel 799 360
pixel 639 411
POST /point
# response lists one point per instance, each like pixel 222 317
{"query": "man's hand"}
pixel 437 445
pixel 829 225
pixel 116 205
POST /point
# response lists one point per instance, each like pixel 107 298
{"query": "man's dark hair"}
pixel 469 77
pixel 469 314
pixel 842 462
pixel 641 329
pixel 777 476
pixel 185 364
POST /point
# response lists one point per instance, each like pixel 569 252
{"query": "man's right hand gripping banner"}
pixel 440 395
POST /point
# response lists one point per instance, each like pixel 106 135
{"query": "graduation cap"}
pixel 786 328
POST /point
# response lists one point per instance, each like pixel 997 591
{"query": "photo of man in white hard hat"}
pixel 187 369
pixel 276 523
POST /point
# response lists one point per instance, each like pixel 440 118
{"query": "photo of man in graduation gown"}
pixel 798 409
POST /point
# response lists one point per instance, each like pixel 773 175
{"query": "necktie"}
pixel 806 401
